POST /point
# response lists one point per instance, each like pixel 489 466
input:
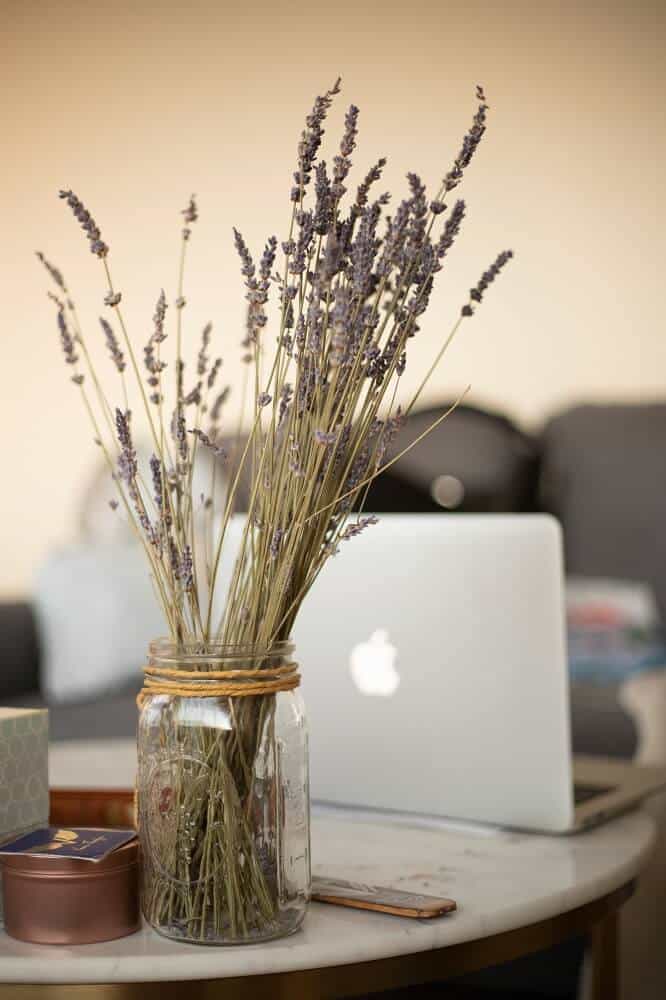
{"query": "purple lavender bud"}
pixel 351 131
pixel 112 298
pixel 127 464
pixel 208 443
pixel 112 343
pixel 305 236
pixel 268 259
pixel 356 527
pixel 263 399
pixel 219 403
pixel 451 230
pixel 97 246
pixel 213 373
pixel 67 340
pixel 372 176
pixel 179 435
pixel 158 318
pixel 286 395
pixel 202 357
pixel 470 144
pixel 193 398
pixel 186 574
pixel 56 275
pixel 276 541
pixel 190 214
pixel 324 437
pixel 323 207
pixel 310 140
pixel 476 293
pixel 153 364
pixel 247 264
pixel 158 485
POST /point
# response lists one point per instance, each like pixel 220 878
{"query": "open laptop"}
pixel 433 654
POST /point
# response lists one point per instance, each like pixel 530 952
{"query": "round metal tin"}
pixel 70 901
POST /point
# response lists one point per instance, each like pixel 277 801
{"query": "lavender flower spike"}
pixel 476 293
pixel 66 339
pixel 356 527
pixel 53 271
pixel 213 373
pixel 117 355
pixel 158 487
pixel 202 357
pixel 90 228
pixel 186 570
pixel 219 403
pixel 276 541
pixel 127 464
pixel 470 144
pixel 190 215
pixel 158 319
pixel 451 230
pixel 310 142
pixel 370 178
pixel 208 443
pixel 324 437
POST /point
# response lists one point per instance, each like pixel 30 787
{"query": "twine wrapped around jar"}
pixel 218 683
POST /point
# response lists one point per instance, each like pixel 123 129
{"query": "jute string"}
pixel 218 683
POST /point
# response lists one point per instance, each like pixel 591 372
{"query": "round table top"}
pixel 500 880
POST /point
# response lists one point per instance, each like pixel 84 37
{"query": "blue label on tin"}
pixel 75 842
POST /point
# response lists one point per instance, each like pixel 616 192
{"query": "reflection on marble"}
pixel 500 881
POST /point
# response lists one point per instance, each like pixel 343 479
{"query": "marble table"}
pixel 516 893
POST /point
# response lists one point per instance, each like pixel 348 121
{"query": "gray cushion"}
pixel 19 650
pixel 490 465
pixel 604 476
pixel 110 717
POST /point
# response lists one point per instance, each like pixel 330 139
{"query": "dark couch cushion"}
pixel 603 474
pixel 19 650
pixel 486 460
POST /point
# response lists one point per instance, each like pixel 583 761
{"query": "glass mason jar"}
pixel 223 798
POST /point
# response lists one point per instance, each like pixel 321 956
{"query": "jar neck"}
pixel 213 655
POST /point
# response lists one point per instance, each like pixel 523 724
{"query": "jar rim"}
pixel 168 650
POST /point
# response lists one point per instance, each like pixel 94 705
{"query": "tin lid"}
pixel 32 864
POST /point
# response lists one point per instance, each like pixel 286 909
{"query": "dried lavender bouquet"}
pixel 352 283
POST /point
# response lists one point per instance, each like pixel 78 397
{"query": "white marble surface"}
pixel 102 764
pixel 500 880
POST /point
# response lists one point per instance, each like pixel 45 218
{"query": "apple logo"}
pixel 372 665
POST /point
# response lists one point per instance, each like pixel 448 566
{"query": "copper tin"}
pixel 70 901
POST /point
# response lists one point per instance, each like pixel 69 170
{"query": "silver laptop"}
pixel 434 665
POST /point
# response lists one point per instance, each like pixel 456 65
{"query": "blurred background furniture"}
pixel 600 470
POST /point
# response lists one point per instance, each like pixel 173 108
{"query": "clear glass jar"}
pixel 223 801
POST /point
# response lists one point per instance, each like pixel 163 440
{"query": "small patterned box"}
pixel 24 777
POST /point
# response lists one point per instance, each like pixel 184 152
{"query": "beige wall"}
pixel 134 105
